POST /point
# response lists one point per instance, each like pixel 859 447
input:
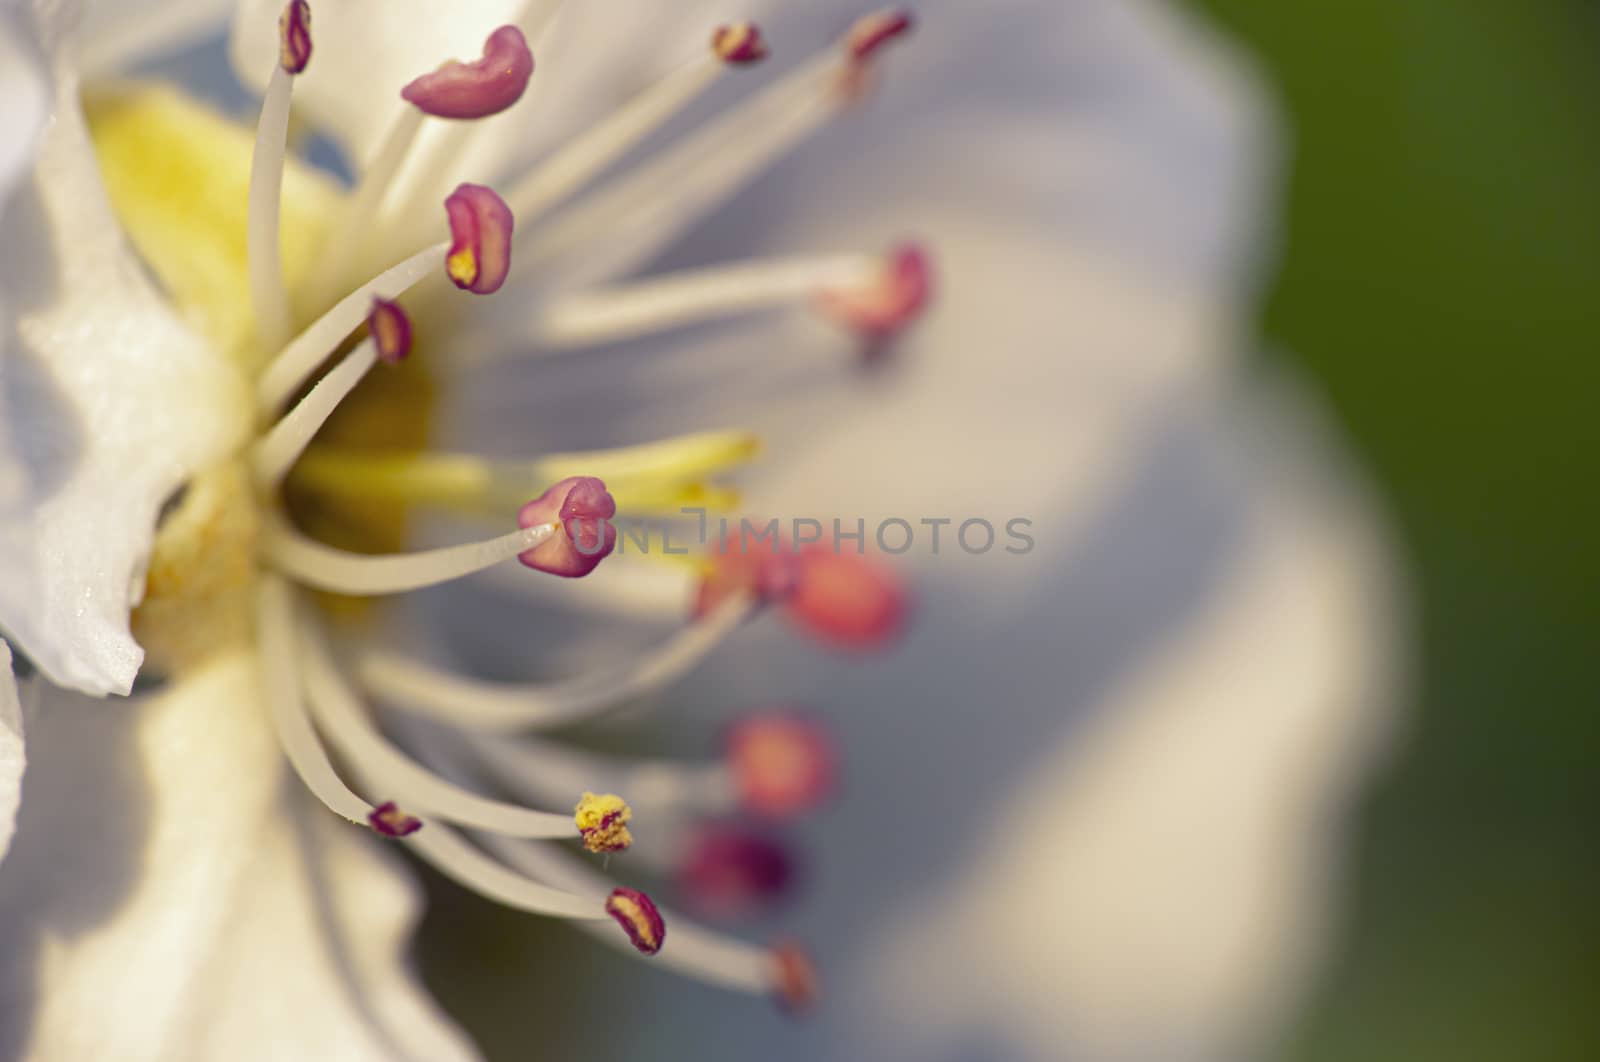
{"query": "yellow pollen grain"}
pixel 602 821
pixel 463 267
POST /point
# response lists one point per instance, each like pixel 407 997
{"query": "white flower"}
pixel 1093 197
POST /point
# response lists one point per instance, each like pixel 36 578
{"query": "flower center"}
pixel 320 296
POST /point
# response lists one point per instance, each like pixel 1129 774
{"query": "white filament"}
pixel 472 703
pixel 274 454
pixel 401 778
pixel 310 562
pixel 267 293
pixel 546 771
pixel 280 679
pixel 687 948
pixel 690 949
pixel 585 318
pixel 296 362
pixel 657 201
pixel 461 862
pixel 585 157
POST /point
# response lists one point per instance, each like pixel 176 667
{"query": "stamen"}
pixel 870 34
pixel 638 916
pixel 440 152
pixel 474 484
pixel 464 864
pixel 407 683
pixel 890 300
pixel 603 823
pixel 268 295
pixel 481 228
pixel 390 327
pixel 294 37
pixel 768 577
pixel 275 453
pixel 783 763
pixel 477 89
pixel 294 365
pixel 849 600
pixel 592 152
pixel 390 821
pixel 658 201
pixel 731 873
pixel 583 509
pixel 797 985
pixel 348 726
pixel 740 44
pixel 587 318
pixel 358 575
pixel 865 40
pixel 693 950
pixel 279 678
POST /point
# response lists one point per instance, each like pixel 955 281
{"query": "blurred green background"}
pixel 1441 281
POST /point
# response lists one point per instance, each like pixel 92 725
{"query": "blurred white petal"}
pixel 116 35
pixel 111 403
pixel 1157 885
pixel 24 99
pixel 172 894
pixel 1196 658
pixel 24 96
pixel 12 759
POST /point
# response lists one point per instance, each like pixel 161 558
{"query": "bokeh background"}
pixel 1438 282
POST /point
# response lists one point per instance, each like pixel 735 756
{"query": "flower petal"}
pixel 12 759
pixel 24 97
pixel 111 403
pixel 120 34
pixel 24 100
pixel 1091 192
pixel 172 893
pixel 1166 895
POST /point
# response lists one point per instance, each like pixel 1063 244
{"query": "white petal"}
pixel 24 99
pixel 1090 174
pixel 12 759
pixel 111 403
pixel 24 96
pixel 172 896
pixel 119 34
pixel 1156 885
